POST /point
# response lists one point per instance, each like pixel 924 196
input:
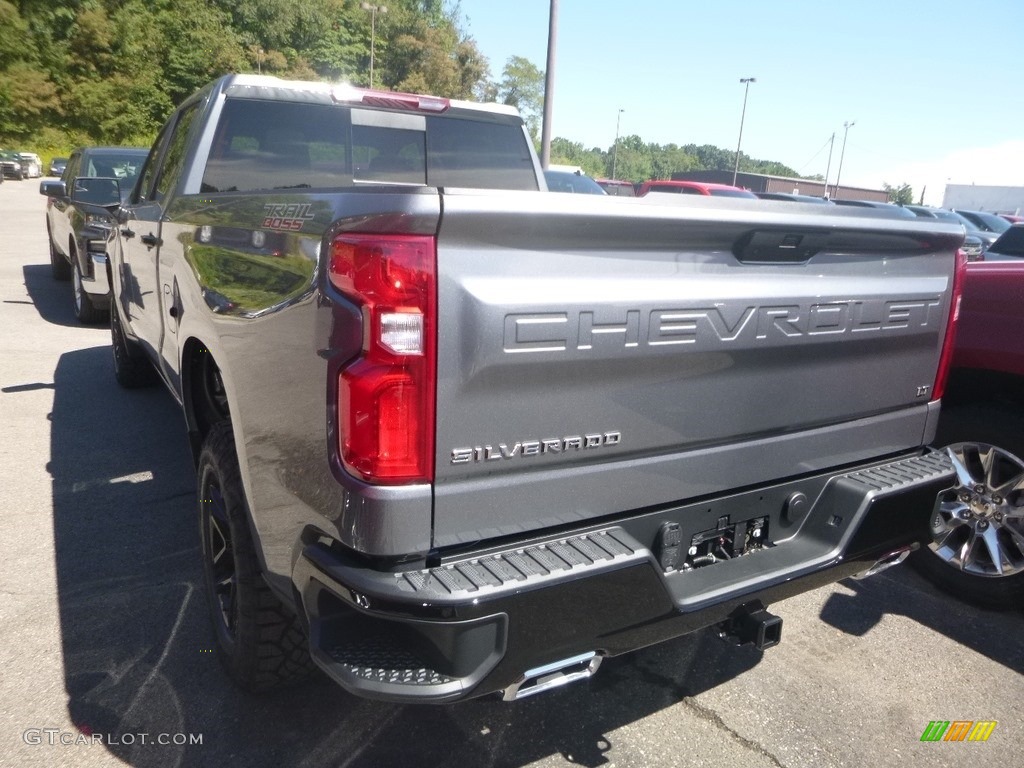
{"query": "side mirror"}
pixel 96 190
pixel 52 188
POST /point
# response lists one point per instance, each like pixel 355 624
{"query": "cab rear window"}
pixel 265 145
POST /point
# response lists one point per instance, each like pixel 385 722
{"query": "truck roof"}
pixel 267 86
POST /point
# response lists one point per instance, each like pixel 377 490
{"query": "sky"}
pixel 934 91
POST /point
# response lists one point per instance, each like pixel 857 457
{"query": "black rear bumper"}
pixel 475 625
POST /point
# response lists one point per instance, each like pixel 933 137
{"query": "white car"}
pixel 31 165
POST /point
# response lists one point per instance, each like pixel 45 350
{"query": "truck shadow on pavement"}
pixel 901 591
pixel 52 298
pixel 138 649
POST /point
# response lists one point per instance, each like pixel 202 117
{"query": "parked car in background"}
pixel 694 188
pixel 985 221
pixel 10 165
pixel 573 182
pixel 31 165
pixel 986 237
pixel 974 246
pixel 975 543
pixel 95 182
pixel 57 166
pixel 895 210
pixel 617 187
pixel 793 198
pixel 1009 246
pixel 1012 218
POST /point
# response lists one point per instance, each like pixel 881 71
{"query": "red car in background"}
pixel 975 548
pixel 617 187
pixel 694 188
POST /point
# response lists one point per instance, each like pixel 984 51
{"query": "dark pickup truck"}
pixel 455 435
pixel 78 206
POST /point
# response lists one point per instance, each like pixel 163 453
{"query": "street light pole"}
pixel 842 153
pixel 549 87
pixel 746 81
pixel 374 10
pixel 615 147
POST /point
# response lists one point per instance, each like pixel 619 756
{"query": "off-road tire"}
pixel 132 368
pixel 59 267
pixel 260 641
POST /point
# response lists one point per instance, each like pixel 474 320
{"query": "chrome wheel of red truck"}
pixel 977 532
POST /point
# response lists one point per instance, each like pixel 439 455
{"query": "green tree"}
pixel 565 152
pixel 711 158
pixel 110 71
pixel 669 159
pixel 902 195
pixel 769 167
pixel 199 45
pixel 522 86
pixel 26 97
pixel 633 161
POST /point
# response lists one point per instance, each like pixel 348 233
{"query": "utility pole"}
pixel 828 167
pixel 846 129
pixel 746 81
pixel 549 87
pixel 374 10
pixel 615 147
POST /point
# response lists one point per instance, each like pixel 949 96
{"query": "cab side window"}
pixel 174 159
pixel 71 169
pixel 144 188
pixel 278 145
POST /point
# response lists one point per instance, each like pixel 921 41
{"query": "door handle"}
pixel 127 233
pixel 151 240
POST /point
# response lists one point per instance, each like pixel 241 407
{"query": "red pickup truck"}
pixel 976 547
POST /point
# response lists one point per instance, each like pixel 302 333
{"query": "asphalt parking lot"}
pixel 106 653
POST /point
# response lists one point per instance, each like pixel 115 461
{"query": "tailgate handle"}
pixel 785 246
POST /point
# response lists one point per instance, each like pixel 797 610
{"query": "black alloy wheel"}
pixel 260 640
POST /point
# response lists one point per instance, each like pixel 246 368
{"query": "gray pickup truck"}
pixel 456 435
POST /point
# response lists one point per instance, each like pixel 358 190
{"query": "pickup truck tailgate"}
pixel 602 355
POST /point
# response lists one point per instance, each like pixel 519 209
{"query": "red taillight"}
pixel 946 358
pixel 386 397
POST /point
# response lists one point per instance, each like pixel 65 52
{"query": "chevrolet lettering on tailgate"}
pixel 720 324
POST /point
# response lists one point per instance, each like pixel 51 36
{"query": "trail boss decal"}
pixel 287 217
pixel 522 448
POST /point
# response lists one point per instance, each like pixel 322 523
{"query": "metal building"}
pixel 970 197
pixel 762 182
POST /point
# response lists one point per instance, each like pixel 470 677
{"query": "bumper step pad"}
pixel 523 565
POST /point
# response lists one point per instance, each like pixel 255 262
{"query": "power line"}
pixel 815 155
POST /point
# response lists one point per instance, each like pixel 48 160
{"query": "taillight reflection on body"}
pixel 386 396
pixel 946 358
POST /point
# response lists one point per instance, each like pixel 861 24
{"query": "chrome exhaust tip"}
pixel 893 558
pixel 553 675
